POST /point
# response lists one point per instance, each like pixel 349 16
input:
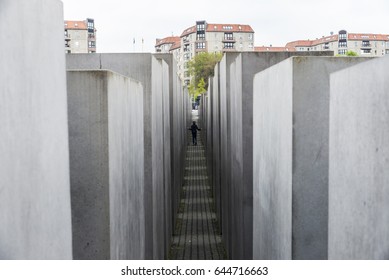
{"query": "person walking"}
pixel 194 129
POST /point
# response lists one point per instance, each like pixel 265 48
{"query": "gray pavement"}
pixel 196 236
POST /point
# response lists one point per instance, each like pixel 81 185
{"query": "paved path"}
pixel 195 236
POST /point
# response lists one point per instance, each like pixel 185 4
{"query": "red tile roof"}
pixel 212 27
pixel 373 37
pixel 73 24
pixel 274 49
pixel 333 38
pixel 217 27
pixel 188 31
pixel 167 40
pixel 176 45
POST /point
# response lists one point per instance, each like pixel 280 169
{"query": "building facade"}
pixel 361 43
pixel 208 37
pixel 80 36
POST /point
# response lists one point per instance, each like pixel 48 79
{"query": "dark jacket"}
pixel 194 128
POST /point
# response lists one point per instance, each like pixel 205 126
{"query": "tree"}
pixel 351 53
pixel 201 67
pixel 348 53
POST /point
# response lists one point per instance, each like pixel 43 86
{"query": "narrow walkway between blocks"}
pixel 196 236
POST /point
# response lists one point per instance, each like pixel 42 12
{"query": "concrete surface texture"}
pixel 242 72
pixel 216 138
pixel 359 162
pixel 167 111
pixel 151 71
pixel 106 165
pixel 35 215
pixel 225 148
pixel 291 132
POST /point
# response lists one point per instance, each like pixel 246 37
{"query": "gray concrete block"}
pixel 225 149
pixel 106 165
pixel 291 132
pixel 216 139
pixel 359 162
pixel 35 214
pixel 235 79
pixel 159 126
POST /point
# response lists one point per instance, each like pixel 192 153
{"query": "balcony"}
pixel 229 39
pixel 366 45
pixel 229 49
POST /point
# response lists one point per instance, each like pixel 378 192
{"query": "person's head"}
pixel 194 122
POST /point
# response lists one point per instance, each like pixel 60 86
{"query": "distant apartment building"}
pixel 80 36
pixel 166 44
pixel 208 37
pixel 274 49
pixel 362 43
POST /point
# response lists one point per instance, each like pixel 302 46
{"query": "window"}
pixel 200 45
pixel 228 36
pixel 201 26
pixel 342 44
pixel 343 36
pixel 228 45
pixel 250 36
pixel 200 36
pixel 366 44
pixel 342 52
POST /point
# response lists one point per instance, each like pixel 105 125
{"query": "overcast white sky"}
pixel 275 22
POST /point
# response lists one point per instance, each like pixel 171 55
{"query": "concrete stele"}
pixel 35 214
pixel 291 132
pixel 106 164
pixel 359 162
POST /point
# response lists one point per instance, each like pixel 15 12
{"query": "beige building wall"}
pixel 78 41
pixel 366 45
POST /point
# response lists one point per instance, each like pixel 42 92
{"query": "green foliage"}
pixel 351 53
pixel 200 89
pixel 201 67
pixel 348 53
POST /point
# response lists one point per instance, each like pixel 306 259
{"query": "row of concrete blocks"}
pixel 140 141
pixel 87 166
pixel 298 151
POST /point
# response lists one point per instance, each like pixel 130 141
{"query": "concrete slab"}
pixel 153 72
pixel 35 214
pixel 106 164
pixel 237 169
pixel 359 162
pixel 291 126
